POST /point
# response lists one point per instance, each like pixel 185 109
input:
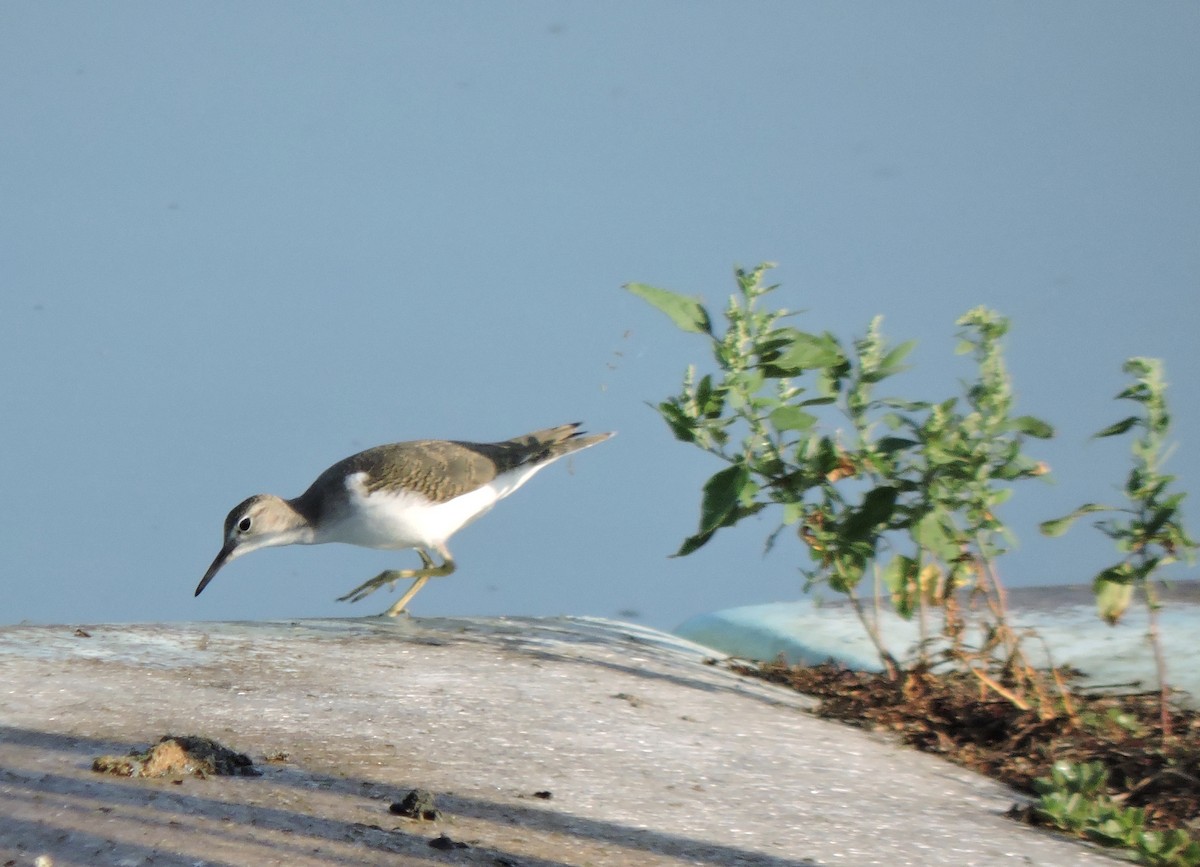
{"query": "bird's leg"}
pixel 428 570
pixel 389 577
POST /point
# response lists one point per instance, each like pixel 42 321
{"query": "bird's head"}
pixel 262 521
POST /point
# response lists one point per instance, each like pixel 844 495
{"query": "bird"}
pixel 403 495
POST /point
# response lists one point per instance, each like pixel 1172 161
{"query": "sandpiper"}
pixel 403 495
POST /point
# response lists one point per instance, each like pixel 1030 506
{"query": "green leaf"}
pixel 1033 427
pixel 1137 392
pixel 687 313
pixel 1109 832
pixel 894 358
pixel 788 351
pixel 891 445
pixel 899 572
pixel 1118 428
pixel 907 405
pixel 810 351
pixel 930 533
pixel 792 512
pixel 682 425
pixel 791 418
pixel 693 543
pixel 998 496
pixel 709 400
pixel 719 506
pixel 721 496
pixel 1158 519
pixel 1058 526
pixel 876 508
pixel 745 382
pixel 848 569
pixel 1112 597
pixel 900 576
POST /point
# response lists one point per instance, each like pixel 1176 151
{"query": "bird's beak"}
pixel 221 560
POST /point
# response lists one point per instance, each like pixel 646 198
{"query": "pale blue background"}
pixel 239 241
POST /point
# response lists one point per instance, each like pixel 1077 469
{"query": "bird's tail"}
pixel 554 442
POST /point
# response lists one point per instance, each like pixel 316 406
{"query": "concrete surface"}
pixel 650 756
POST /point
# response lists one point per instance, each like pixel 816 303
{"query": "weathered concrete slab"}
pixel 650 756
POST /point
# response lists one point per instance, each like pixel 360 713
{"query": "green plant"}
pixel 892 474
pixel 967 453
pixel 1114 724
pixel 760 418
pixel 1074 798
pixel 1069 797
pixel 1148 531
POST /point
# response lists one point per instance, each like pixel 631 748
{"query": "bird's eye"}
pixel 244 525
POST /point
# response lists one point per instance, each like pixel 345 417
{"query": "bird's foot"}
pixel 387 578
pixel 391 576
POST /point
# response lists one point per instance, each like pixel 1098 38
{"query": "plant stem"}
pixel 1160 661
pixel 998 689
pixel 889 661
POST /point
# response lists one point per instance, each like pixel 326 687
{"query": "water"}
pixel 1071 633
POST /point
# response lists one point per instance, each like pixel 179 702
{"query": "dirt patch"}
pixel 184 756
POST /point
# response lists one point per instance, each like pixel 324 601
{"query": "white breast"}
pixel 384 519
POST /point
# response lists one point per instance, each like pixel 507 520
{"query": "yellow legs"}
pixel 391 576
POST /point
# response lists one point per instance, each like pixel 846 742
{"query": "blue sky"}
pixel 241 241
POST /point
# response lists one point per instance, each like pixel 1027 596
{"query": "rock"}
pixel 188 755
pixel 417 804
